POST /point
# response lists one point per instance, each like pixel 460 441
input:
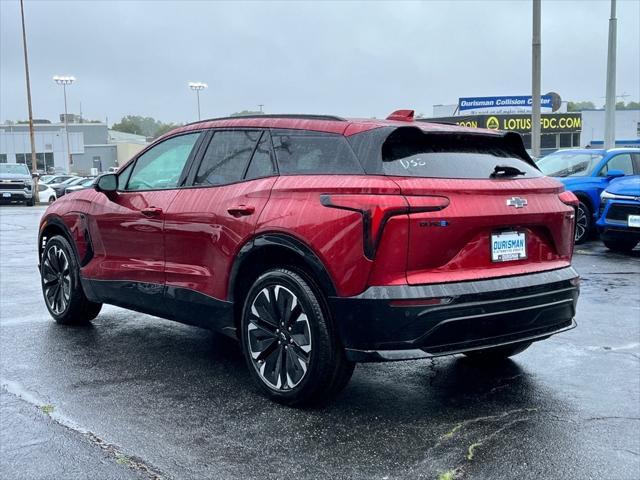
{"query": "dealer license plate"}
pixel 6 195
pixel 508 246
pixel 633 221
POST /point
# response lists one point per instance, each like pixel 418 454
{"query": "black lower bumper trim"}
pixel 475 315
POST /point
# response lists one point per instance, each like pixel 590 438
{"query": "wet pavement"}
pixel 134 396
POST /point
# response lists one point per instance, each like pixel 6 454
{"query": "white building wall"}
pixel 627 125
pixel 54 142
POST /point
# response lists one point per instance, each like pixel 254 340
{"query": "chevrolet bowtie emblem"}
pixel 517 202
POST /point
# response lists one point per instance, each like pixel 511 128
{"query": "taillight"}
pixel 569 198
pixel 377 209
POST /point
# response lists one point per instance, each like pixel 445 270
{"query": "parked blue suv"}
pixel 587 173
pixel 619 222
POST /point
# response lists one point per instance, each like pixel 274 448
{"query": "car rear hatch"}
pixel 503 217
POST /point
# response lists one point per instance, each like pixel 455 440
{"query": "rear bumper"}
pixel 402 322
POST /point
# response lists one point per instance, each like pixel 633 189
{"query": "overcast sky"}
pixel 344 58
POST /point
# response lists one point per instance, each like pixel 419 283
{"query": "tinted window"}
pixel 303 152
pixel 226 157
pixel 619 162
pixel 569 164
pixel 411 153
pixel 262 161
pixel 161 166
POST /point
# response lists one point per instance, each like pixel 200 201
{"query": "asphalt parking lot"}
pixel 134 396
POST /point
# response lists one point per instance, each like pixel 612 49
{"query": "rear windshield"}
pixel 411 153
pixel 301 152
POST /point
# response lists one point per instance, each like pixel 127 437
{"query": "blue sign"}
pixel 513 102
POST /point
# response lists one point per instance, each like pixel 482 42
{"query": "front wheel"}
pixel 620 245
pixel 498 353
pixel 61 287
pixel 30 202
pixel 583 223
pixel 289 343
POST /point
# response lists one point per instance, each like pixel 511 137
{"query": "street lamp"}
pixel 64 81
pixel 197 86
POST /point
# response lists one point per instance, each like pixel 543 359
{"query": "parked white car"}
pixel 46 194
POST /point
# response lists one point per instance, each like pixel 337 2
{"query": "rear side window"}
pixel 301 152
pixel 226 157
pixel 411 153
pixel 262 163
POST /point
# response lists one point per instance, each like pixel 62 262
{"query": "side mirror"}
pixel 615 174
pixel 107 183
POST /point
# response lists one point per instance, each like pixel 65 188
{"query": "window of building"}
pixel 226 157
pixel 3 158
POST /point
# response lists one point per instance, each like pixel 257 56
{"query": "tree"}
pixel 628 106
pixel 245 113
pixel 579 106
pixel 147 126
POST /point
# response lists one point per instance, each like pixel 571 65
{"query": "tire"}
pixel 52 199
pixel 498 353
pixel 61 288
pixel 584 223
pixel 620 245
pixel 30 202
pixel 295 358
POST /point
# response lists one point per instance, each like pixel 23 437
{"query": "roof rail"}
pixel 300 116
pixel 440 122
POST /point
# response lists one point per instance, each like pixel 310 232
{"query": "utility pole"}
pixel 536 45
pixel 260 105
pixel 610 105
pixel 196 87
pixel 34 162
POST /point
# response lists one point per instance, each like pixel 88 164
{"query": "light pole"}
pixel 610 105
pixel 64 81
pixel 535 81
pixel 197 86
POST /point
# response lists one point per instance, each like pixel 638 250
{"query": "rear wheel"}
pixel 498 353
pixel 30 202
pixel 583 223
pixel 52 199
pixel 288 340
pixel 620 245
pixel 61 287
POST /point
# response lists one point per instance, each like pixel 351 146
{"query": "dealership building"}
pixel 93 147
pixel 559 128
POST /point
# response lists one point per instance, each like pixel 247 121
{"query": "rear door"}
pixel 127 226
pixel 211 218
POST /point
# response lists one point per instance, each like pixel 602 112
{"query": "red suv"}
pixel 320 242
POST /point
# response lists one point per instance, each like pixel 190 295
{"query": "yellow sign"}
pixel 493 123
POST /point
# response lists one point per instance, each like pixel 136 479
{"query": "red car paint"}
pixel 190 237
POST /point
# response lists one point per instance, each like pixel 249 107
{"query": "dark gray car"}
pixel 16 184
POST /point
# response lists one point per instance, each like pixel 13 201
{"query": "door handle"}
pixel 151 211
pixel 241 210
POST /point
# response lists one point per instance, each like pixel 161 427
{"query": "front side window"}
pixel 568 164
pixel 301 152
pixel 161 166
pixel 619 162
pixel 226 157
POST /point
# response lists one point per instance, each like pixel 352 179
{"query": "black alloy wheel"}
pixel 289 341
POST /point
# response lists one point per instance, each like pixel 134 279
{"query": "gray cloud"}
pixel 346 58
